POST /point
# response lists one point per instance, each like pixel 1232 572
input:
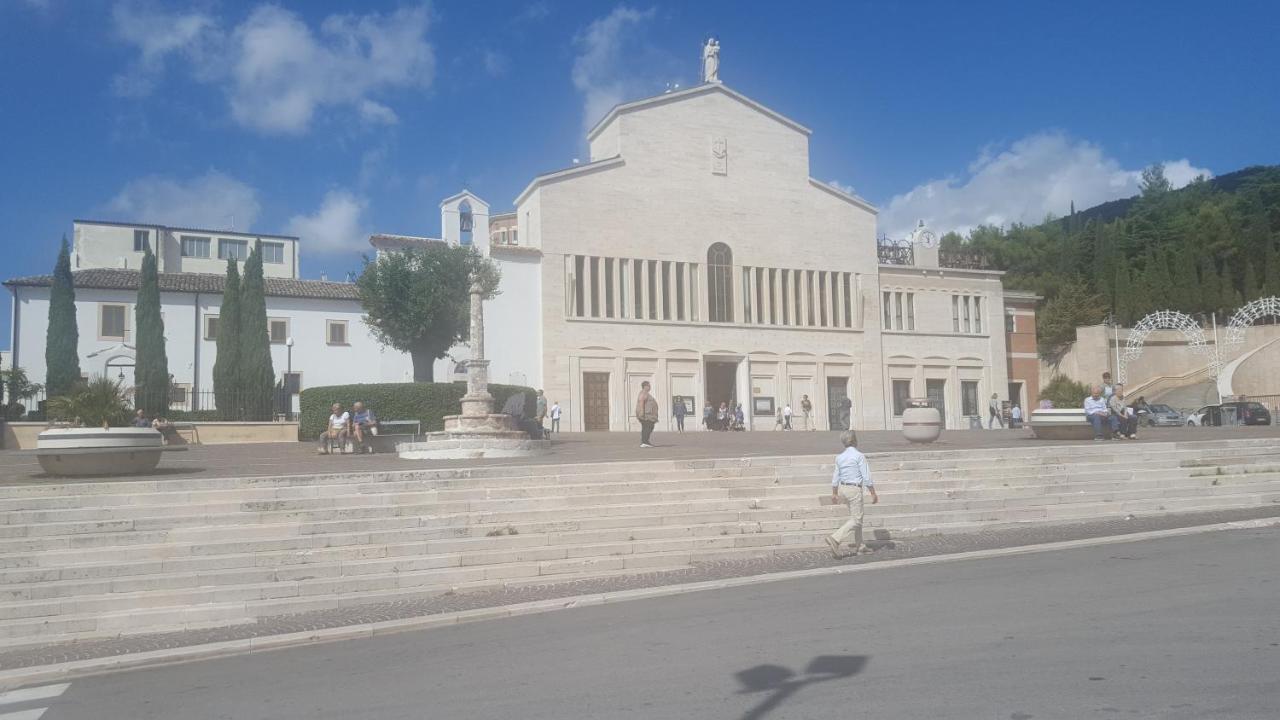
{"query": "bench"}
pixel 391 432
pixel 1063 424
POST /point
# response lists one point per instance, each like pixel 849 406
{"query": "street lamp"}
pixel 288 343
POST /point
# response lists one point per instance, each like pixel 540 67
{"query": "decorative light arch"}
pixel 1163 320
pixel 1248 315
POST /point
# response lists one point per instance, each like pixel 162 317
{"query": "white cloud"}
pixel 614 63
pixel 336 226
pixel 278 72
pixel 1036 176
pixel 847 189
pixel 212 200
pixel 157 34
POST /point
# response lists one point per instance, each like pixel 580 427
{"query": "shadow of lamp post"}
pixel 784 682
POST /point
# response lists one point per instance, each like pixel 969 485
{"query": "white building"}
pixel 317 332
pixel 695 251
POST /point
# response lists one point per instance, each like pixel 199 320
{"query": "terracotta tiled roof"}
pixel 116 279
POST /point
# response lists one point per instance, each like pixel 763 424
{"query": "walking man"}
pixel 806 410
pixel 555 417
pixel 678 412
pixel 646 413
pixel 995 416
pixel 847 482
pixel 787 412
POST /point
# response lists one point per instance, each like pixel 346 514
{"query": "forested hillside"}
pixel 1206 248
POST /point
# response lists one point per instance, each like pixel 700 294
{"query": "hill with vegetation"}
pixel 1203 249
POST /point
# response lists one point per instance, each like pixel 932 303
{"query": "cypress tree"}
pixel 151 375
pixel 1272 275
pixel 62 338
pixel 1229 295
pixel 1210 285
pixel 226 366
pixel 1186 283
pixel 1252 285
pixel 257 376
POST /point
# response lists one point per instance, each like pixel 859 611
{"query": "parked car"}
pixel 1240 412
pixel 1160 415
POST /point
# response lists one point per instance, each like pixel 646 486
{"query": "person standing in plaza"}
pixel 787 412
pixel 994 413
pixel 679 412
pixel 541 412
pixel 1015 417
pixel 1107 388
pixel 851 477
pixel 555 416
pixel 647 414
pixel 708 413
pixel 806 411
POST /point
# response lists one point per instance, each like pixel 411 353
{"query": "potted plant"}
pixel 91 435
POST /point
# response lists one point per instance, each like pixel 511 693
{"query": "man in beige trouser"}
pixel 847 482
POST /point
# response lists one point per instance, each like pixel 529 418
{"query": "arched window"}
pixel 465 223
pixel 720 283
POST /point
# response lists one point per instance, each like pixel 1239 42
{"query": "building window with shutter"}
pixel 336 332
pixel 273 252
pixel 278 330
pixel 210 327
pixel 141 240
pixel 194 246
pixel 112 321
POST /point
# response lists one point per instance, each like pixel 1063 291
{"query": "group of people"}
pixel 358 424
pixel 784 417
pixel 723 419
pixel 1108 409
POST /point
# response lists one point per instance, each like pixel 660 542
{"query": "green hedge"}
pixel 425 402
pixel 1061 390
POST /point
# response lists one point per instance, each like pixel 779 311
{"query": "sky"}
pixel 333 119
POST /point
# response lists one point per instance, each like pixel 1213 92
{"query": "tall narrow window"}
pixel 141 240
pixel 888 311
pixel 773 299
pixel 901 395
pixel 593 287
pixel 720 283
pixel 666 289
pixel 968 316
pixel 746 294
pixel 608 286
pixel 579 293
pixel 955 313
pixel 652 269
pixel 680 270
pixel 637 277
pixel 977 314
pixel 784 295
pixel 624 284
pixel 848 300
pixel 760 294
pixel 911 311
pixel 897 311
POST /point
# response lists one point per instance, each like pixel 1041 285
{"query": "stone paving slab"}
pixel 491 601
pixel 266 459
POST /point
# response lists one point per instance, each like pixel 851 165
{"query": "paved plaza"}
pixel 266 459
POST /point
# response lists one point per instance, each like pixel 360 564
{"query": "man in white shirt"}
pixel 339 427
pixel 1096 410
pixel 787 412
pixel 555 417
pixel 847 482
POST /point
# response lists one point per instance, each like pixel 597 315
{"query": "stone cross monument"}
pixel 477 402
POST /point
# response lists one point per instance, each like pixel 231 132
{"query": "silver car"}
pixel 1160 415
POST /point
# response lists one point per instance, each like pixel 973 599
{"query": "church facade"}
pixel 695 251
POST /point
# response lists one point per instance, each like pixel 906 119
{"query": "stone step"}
pixel 33 584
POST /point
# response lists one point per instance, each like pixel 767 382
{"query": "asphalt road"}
pixel 1183 627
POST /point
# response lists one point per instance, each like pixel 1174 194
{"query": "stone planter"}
pixel 921 424
pixel 1061 424
pixel 76 452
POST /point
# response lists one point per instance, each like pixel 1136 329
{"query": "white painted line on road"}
pixel 170 656
pixel 44 692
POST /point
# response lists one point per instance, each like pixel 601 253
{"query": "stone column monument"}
pixel 478 432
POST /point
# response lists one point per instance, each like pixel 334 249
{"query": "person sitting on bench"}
pixel 363 423
pixel 337 431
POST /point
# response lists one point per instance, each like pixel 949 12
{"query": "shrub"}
pixel 99 402
pixel 427 403
pixel 1064 392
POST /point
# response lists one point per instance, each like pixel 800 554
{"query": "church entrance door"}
pixel 722 383
pixel 595 401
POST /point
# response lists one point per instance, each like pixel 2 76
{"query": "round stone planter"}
pixel 76 452
pixel 921 424
pixel 1061 424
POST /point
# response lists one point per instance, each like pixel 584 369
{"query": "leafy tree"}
pixel 151 376
pixel 226 366
pixel 1272 275
pixel 256 374
pixel 18 386
pixel 99 402
pixel 1064 392
pixel 1153 181
pixel 1186 281
pixel 1252 284
pixel 1210 285
pixel 1075 305
pixel 418 300
pixel 62 337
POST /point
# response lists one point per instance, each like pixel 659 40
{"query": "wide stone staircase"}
pixel 98 559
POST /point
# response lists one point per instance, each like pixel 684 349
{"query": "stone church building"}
pixel 695 250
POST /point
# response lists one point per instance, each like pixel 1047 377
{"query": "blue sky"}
pixel 336 119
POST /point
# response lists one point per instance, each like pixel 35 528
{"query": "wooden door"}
pixel 595 401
